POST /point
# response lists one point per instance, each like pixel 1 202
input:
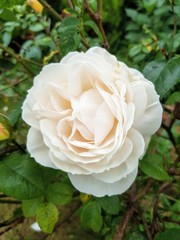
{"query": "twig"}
pixel 18 58
pixel 146 228
pixel 127 215
pixel 71 4
pixel 20 147
pixel 97 18
pixel 174 171
pixel 85 43
pixel 172 221
pixel 145 190
pixel 171 137
pixel 174 18
pixel 51 10
pixel 12 85
pixel 155 226
pixel 10 201
pixel 10 149
pixel 122 227
pixel 10 224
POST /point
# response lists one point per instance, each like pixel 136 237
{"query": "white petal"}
pixel 79 79
pixel 104 122
pixel 84 130
pixel 113 174
pixel 128 114
pixel 48 130
pixel 54 72
pixel 88 105
pixel 117 168
pixel 35 227
pixel 150 121
pixel 68 57
pixel 138 150
pixel 28 115
pixel 90 185
pixel 66 166
pixel 37 148
pixel 103 53
pixel 140 99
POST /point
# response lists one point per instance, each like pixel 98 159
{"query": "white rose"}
pixel 92 117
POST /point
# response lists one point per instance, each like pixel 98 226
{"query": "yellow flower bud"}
pixel 4 133
pixel 84 197
pixel 36 5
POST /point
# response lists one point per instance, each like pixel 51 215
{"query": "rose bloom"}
pixel 92 117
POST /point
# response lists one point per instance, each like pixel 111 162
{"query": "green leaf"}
pixel 135 50
pixel 150 5
pixel 91 216
pixel 20 177
pixel 152 165
pixel 14 114
pixel 7 15
pixel 153 69
pixel 6 37
pixel 59 193
pixel 110 204
pixel 69 34
pixel 165 76
pixel 172 234
pixel 169 77
pixel 139 18
pixel 10 3
pixel 36 27
pixel 30 206
pixel 47 217
pixel 92 24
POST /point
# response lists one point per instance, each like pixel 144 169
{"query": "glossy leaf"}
pixel 110 204
pixel 10 3
pixel 20 177
pixel 152 165
pixel 14 114
pixel 7 15
pixel 169 234
pixel 164 76
pixel 47 217
pixel 92 24
pixel 30 206
pixel 91 216
pixel 59 193
pixel 69 34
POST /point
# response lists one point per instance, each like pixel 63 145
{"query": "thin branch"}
pixel 124 222
pixel 10 149
pixel 146 228
pixel 171 136
pixel 84 42
pixel 71 4
pixel 174 18
pixel 145 190
pixel 13 222
pixel 127 215
pixel 51 10
pixel 155 227
pixel 97 18
pixel 18 58
pixel 10 201
pixel 99 7
pixel 12 85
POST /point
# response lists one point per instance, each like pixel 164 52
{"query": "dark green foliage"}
pixel 143 34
